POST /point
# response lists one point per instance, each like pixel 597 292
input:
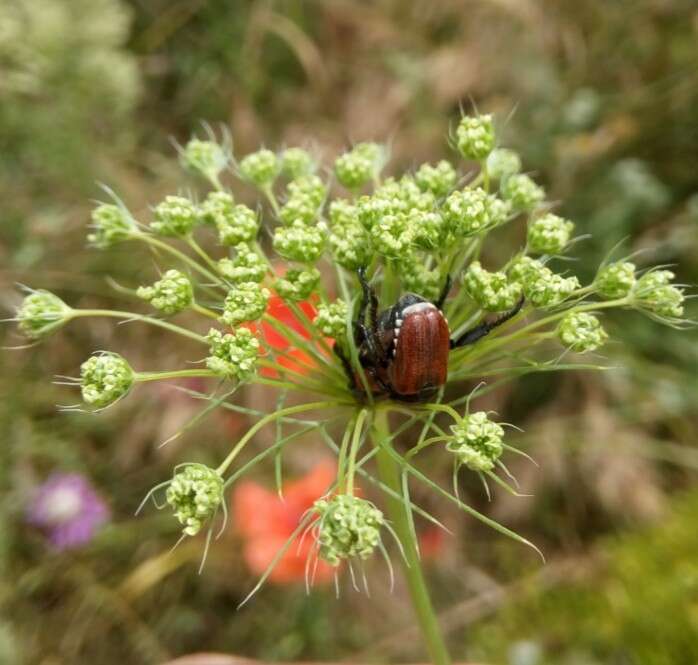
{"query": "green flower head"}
pixel 175 216
pixel 246 302
pixel 195 493
pixel 549 234
pixel 358 166
pixel 616 280
pixel 655 294
pixel 348 527
pixel 299 242
pixel 349 241
pixel 477 442
pixel 296 162
pixel 297 285
pixel 502 163
pixel 105 378
pixel 331 319
pixel 417 278
pixel 521 192
pixel 260 168
pixel 205 158
pixel 233 355
pixel 493 291
pixel 542 287
pixel 40 313
pixel 306 195
pixel 475 136
pixel 429 228
pixel 234 223
pixel 171 294
pixel 472 211
pixel 110 224
pixel 246 266
pixel 581 332
pixel 392 236
pixel 439 179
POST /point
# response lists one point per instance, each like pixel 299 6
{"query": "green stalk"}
pixel 389 475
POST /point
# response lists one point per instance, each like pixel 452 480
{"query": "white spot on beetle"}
pixel 418 307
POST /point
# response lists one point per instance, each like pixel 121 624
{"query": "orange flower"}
pixel 266 521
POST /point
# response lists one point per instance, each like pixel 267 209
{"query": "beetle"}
pixel 404 349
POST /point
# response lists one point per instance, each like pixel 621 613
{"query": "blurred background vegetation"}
pixel 601 100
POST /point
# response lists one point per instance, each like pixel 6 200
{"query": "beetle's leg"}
pixel 478 332
pixel 369 301
pixel 339 352
pixel 444 292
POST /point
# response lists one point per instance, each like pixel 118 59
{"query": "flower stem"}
pixel 389 475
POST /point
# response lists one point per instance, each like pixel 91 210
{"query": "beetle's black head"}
pixel 389 316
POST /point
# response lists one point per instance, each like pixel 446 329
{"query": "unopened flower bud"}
pixel 477 442
pixel 234 223
pixel 348 527
pixel 544 288
pixel 616 280
pixel 439 179
pixel 195 493
pixel 260 168
pixel 493 291
pixel 417 278
pixel 521 192
pixel 233 355
pixel 297 285
pixel 472 211
pixel 299 242
pixel 392 236
pixel 110 224
pixel 349 241
pixel 655 294
pixel 175 216
pixel 40 313
pixel 549 234
pixel 205 158
pixel 296 162
pixel 475 136
pixel 246 302
pixel 171 294
pixel 246 266
pixel 502 163
pixel 429 229
pixel 331 319
pixel 306 195
pixel 581 332
pixel 358 166
pixel 105 378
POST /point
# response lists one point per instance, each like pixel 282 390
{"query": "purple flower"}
pixel 68 510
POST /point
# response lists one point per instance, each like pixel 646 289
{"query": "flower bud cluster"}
pixel 234 223
pixel 493 291
pixel 175 216
pixel 40 313
pixel 300 242
pixel 655 293
pixel 195 494
pixel 477 441
pixel 260 168
pixel 549 234
pixel 521 192
pixel 439 179
pixel 417 278
pixel 475 136
pixel 246 266
pixel 358 166
pixel 297 285
pixel 542 287
pixel 232 355
pixel 581 332
pixel 206 158
pixel 247 301
pixel 305 198
pixel 348 527
pixel 105 378
pixel 110 224
pixel 331 319
pixel 296 162
pixel 171 294
pixel 616 280
pixel 349 241
pixel 472 211
pixel 502 163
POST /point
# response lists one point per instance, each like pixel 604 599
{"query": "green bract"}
pixel 260 168
pixel 477 441
pixel 493 291
pixel 616 280
pixel 175 216
pixel 297 285
pixel 348 527
pixel 195 493
pixel 475 136
pixel 105 378
pixel 233 355
pixel 110 224
pixel 549 234
pixel 40 313
pixel 171 294
pixel 581 332
pixel 247 301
